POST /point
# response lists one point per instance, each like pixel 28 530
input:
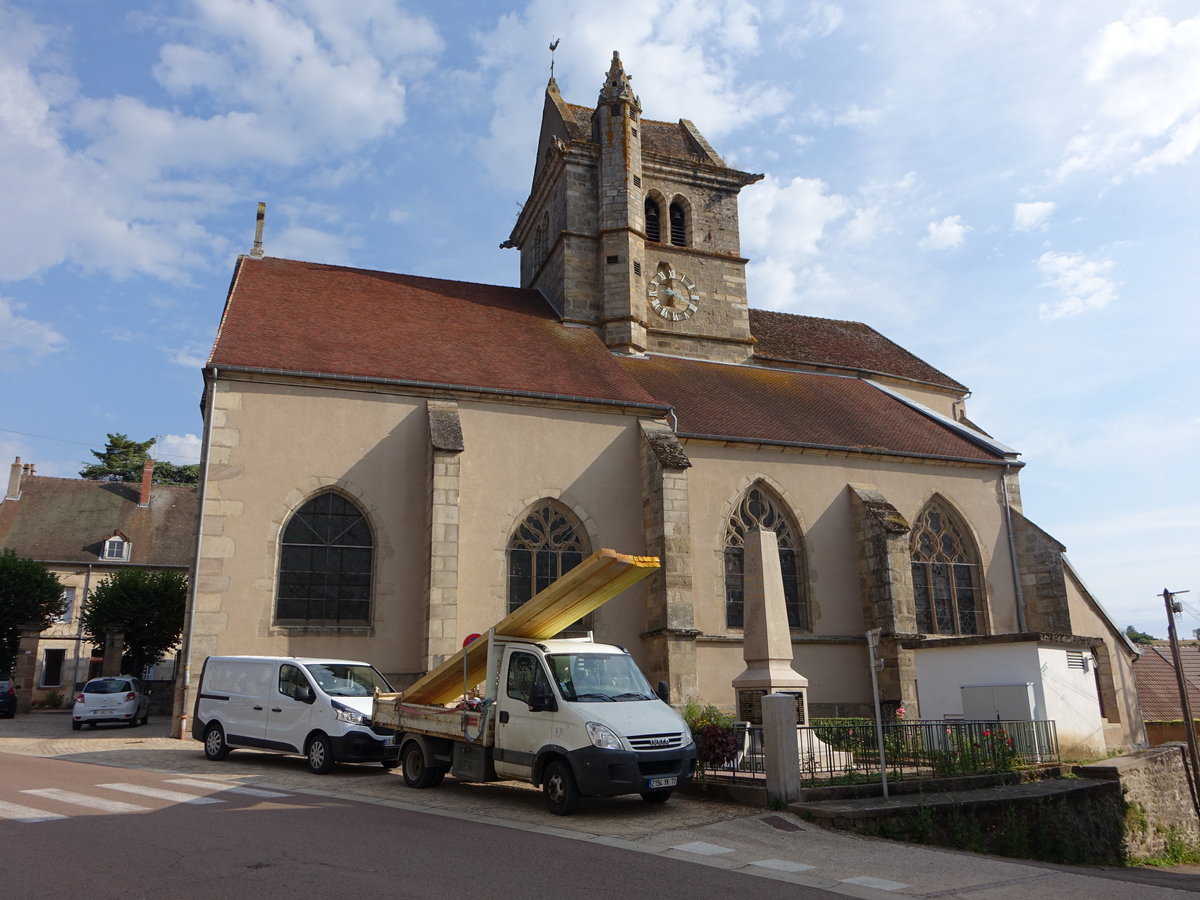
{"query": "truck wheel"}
pixel 559 788
pixel 657 796
pixel 416 773
pixel 320 755
pixel 215 747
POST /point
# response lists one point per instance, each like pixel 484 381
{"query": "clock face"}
pixel 672 295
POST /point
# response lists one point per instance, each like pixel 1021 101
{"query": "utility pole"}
pixel 876 665
pixel 1173 608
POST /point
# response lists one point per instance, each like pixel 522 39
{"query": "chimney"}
pixel 147 475
pixel 14 481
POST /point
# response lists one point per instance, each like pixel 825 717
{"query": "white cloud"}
pixel 1081 284
pixel 945 235
pixel 181 449
pixel 251 81
pixel 788 220
pixel 1144 72
pixel 24 340
pixel 1032 216
pixel 190 356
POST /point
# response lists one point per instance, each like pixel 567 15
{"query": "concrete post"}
pixel 781 752
pixel 114 646
pixel 25 666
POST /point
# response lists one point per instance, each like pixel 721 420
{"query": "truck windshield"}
pixel 341 680
pixel 599 677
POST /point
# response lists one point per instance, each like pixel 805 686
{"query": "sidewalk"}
pixel 705 831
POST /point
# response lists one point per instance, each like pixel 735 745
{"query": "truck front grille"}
pixel 671 740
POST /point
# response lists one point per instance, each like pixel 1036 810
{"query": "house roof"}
pixel 68 519
pixel 1157 686
pixel 794 407
pixel 785 337
pixel 309 318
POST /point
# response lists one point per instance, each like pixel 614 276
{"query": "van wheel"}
pixel 320 755
pixel 416 773
pixel 559 788
pixel 657 796
pixel 215 747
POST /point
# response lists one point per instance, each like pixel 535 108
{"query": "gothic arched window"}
pixel 653 220
pixel 945 568
pixel 678 224
pixel 325 564
pixel 547 543
pixel 760 509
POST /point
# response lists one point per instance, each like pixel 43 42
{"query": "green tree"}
pixel 1139 637
pixel 30 594
pixel 122 460
pixel 147 605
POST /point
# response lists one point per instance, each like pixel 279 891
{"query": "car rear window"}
pixel 106 687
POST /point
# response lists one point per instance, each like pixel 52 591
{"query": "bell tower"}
pixel 631 228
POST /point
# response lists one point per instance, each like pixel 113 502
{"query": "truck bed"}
pixel 586 587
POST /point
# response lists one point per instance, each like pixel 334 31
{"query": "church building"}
pixel 392 463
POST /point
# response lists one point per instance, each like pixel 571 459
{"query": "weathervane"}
pixel 553 47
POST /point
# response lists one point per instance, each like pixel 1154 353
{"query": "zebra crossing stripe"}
pixel 96 803
pixel 18 813
pixel 227 788
pixel 159 793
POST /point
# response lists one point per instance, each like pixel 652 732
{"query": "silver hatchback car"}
pixel 116 698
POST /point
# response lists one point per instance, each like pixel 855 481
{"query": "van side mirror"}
pixel 664 692
pixel 540 698
pixel 303 694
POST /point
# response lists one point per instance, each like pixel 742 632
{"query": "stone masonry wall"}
pixel 1158 797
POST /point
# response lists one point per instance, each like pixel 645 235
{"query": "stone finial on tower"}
pixel 257 251
pixel 617 84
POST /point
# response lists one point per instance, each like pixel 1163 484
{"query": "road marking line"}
pixel 19 813
pixel 160 793
pixel 98 803
pixel 703 849
pixel 227 788
pixel 880 884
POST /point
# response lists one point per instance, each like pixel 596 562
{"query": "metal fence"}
pixel 846 751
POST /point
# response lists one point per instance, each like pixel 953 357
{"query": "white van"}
pixel 318 708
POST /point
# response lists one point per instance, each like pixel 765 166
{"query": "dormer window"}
pixel 116 548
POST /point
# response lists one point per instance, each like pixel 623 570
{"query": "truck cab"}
pixel 574 717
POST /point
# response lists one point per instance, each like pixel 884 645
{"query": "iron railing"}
pixel 847 750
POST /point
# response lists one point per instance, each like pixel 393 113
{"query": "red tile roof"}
pixel 785 405
pixel 785 337
pixel 68 519
pixel 305 317
pixel 1157 686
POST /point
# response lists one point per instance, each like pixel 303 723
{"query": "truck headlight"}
pixel 687 735
pixel 604 737
pixel 344 713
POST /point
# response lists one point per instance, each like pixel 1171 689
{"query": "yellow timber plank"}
pixel 585 588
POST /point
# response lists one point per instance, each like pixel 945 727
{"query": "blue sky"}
pixel 1009 189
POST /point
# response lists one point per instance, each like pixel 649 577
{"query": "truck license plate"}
pixel 653 783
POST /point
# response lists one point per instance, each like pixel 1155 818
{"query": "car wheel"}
pixel 75 726
pixel 656 796
pixel 91 724
pixel 559 788
pixel 418 774
pixel 320 755
pixel 146 717
pixel 215 747
pixel 389 764
pixel 134 723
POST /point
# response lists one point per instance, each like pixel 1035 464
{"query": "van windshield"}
pixel 343 680
pixel 599 678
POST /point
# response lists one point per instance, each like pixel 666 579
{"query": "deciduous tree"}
pixel 148 606
pixel 30 595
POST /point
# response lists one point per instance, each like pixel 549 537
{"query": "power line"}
pixel 88 444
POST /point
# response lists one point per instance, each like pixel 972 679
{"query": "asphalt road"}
pixel 360 827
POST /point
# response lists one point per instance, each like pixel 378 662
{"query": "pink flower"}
pixel 899 712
